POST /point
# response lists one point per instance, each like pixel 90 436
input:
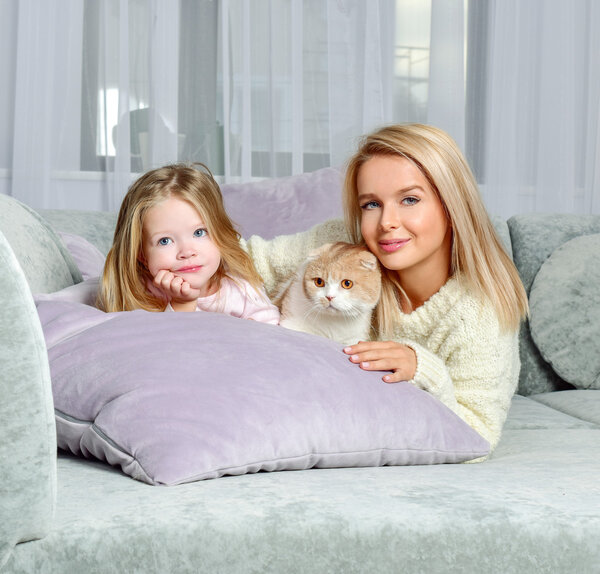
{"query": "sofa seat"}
pixel 532 507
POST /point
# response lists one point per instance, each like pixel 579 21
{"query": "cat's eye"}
pixel 319 282
pixel 347 283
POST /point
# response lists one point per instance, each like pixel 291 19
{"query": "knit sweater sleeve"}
pixel 276 259
pixel 472 366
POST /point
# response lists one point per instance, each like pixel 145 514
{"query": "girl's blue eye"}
pixel 370 205
pixel 164 241
pixel 200 232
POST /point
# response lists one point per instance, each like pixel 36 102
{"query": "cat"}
pixel 333 293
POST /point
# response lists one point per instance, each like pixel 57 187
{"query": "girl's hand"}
pixel 176 288
pixel 385 356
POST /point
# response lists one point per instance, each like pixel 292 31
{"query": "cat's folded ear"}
pixel 316 253
pixel 368 260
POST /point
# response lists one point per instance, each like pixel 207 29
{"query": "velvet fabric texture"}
pixel 44 259
pixel 532 507
pixel 534 238
pixel 178 397
pixel 85 292
pixel 87 256
pixel 565 311
pixel 578 404
pixel 284 205
pixel 97 228
pixel 27 431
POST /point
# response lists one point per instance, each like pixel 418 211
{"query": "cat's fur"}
pixel 319 299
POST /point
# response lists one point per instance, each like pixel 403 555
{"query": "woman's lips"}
pixel 391 245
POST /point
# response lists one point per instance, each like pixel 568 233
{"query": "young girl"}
pixel 175 249
pixel 452 299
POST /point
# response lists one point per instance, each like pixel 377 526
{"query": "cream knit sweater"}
pixel 463 357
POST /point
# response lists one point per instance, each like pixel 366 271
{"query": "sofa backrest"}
pixel 27 428
pixel 534 238
pixel 47 264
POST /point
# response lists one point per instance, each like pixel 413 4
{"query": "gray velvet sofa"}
pixel 533 506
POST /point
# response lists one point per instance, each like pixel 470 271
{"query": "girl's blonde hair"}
pixel 478 257
pixel 125 279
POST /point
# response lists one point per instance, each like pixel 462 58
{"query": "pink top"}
pixel 239 299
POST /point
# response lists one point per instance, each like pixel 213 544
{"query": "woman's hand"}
pixel 178 291
pixel 385 356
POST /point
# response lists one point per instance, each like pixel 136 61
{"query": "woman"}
pixel 452 300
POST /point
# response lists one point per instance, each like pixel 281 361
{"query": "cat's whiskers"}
pixel 333 294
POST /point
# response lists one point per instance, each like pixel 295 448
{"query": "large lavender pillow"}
pixel 178 397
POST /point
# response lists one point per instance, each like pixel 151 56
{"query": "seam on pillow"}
pixel 110 441
pixel 132 461
pixel 218 472
pixel 70 418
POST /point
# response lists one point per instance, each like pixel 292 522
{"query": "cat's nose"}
pixel 330 297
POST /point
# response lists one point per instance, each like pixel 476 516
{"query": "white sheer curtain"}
pixel 99 91
pixel 539 122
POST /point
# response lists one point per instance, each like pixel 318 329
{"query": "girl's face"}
pixel 175 238
pixel 403 221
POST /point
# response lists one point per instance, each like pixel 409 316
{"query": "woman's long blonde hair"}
pixel 478 257
pixel 125 279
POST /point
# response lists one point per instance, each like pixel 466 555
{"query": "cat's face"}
pixel 342 278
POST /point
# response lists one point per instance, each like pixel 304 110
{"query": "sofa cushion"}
pixel 583 404
pixel 565 311
pixel 47 264
pixel 178 397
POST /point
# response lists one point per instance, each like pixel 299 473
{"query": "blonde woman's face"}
pixel 403 221
pixel 174 238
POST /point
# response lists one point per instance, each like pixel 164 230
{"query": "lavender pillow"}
pixel 284 205
pixel 178 397
pixel 85 292
pixel 88 257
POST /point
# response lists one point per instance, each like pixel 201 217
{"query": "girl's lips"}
pixel 391 245
pixel 192 269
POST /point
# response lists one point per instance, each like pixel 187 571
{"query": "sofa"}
pixel 532 506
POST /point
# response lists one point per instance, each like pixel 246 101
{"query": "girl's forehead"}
pixel 172 211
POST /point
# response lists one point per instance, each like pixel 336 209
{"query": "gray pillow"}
pixel 565 311
pixel 178 397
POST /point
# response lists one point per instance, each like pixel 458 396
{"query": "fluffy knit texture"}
pixel 464 358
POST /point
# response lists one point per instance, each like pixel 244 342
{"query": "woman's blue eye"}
pixel 370 205
pixel 200 232
pixel 164 241
pixel 410 200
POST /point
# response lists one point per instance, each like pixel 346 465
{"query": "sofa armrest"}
pixel 27 428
